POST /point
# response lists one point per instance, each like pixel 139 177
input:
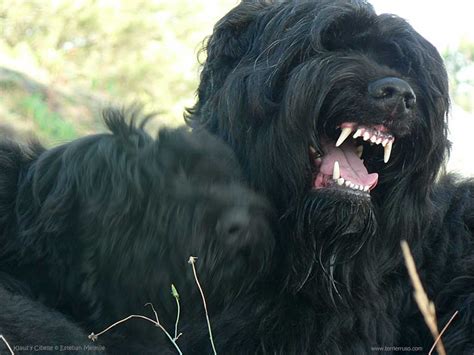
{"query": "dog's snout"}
pixel 393 94
pixel 234 224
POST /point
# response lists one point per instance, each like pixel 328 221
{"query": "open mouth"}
pixel 342 164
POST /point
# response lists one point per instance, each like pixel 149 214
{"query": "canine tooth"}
pixel 360 150
pixel 358 133
pixel 345 132
pixel 373 139
pixel 336 173
pixel 340 181
pixel 387 151
pixel 366 136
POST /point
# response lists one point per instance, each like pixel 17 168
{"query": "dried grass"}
pixel 426 307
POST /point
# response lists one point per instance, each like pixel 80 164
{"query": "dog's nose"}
pixel 393 94
pixel 234 224
pixel 246 232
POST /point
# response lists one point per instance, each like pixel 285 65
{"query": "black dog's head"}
pixel 100 226
pixel 333 111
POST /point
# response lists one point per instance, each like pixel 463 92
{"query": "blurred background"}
pixel 61 61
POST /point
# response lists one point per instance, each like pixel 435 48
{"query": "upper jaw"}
pixel 375 134
pixel 340 164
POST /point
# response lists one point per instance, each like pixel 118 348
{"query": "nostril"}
pixel 387 92
pixel 234 228
pixel 410 100
pixel 234 224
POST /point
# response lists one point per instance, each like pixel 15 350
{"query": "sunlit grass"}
pixel 50 125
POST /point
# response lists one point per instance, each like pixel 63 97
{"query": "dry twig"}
pixel 156 322
pixel 442 332
pixel 192 261
pixel 426 307
pixel 174 292
pixel 8 345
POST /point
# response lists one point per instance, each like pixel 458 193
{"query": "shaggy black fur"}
pixel 100 226
pixel 283 76
pixel 31 328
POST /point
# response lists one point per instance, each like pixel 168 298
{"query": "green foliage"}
pixel 50 125
pixel 460 66
pixel 129 50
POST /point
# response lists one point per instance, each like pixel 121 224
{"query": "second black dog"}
pixel 98 227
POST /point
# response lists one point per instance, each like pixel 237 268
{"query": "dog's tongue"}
pixel 350 165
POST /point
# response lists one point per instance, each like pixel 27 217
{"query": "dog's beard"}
pixel 331 252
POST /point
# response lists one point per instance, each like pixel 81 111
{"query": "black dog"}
pixel 337 115
pixel 31 328
pixel 100 226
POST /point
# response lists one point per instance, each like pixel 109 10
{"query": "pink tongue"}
pixel 350 165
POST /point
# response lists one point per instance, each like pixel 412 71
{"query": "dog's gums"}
pixel 341 164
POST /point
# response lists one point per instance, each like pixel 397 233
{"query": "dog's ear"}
pixel 14 158
pixel 231 38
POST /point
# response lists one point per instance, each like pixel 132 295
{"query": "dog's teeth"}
pixel 387 151
pixel 312 150
pixel 340 181
pixel 348 183
pixel 385 141
pixel 366 188
pixel 357 134
pixel 345 132
pixel 352 185
pixel 379 140
pixel 360 150
pixel 336 173
pixel 373 139
pixel 366 136
pixel 355 187
pixel 361 187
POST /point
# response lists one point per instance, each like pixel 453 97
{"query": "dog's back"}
pixel 14 159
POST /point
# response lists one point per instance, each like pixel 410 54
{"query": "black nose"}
pixel 393 94
pixel 234 224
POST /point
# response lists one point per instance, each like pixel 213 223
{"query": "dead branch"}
pixel 8 345
pixel 192 261
pixel 426 307
pixel 442 332
pixel 156 322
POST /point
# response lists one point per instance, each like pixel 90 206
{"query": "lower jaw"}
pixel 344 190
pixel 341 192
